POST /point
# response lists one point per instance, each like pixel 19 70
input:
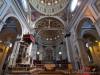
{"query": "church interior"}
pixel 49 37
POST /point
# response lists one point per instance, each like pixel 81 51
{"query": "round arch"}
pixel 11 29
pixel 80 24
pixel 85 31
pixel 49 28
pixel 55 17
pixel 8 35
pixel 15 17
pixel 90 32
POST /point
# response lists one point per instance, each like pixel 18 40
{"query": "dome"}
pixel 49 7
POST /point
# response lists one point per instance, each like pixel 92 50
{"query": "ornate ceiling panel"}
pixel 49 22
pixel 50 29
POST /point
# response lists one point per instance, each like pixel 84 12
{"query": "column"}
pixel 28 53
pixel 1 24
pixel 97 26
pixel 14 54
pixel 68 53
pixel 82 51
pixel 6 48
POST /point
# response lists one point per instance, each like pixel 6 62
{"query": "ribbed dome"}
pixel 49 7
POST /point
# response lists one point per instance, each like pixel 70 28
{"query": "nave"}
pixel 49 37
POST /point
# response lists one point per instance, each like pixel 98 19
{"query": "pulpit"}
pixel 28 38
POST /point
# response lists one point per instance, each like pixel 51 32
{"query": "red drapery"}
pixel 29 38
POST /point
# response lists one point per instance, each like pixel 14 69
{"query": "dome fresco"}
pixel 49 7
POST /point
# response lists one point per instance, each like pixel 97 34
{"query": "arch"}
pixel 85 31
pixel 9 29
pixel 49 28
pixel 55 17
pixel 80 24
pixel 89 32
pixel 89 17
pixel 15 17
pixel 18 25
pixel 48 54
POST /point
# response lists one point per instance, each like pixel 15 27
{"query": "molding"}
pixel 95 8
pixel 93 11
pixel 82 16
pixel 48 9
pixel 77 15
pixel 3 6
pixel 56 17
pixel 21 18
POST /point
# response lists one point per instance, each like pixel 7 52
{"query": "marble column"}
pixel 68 53
pixel 14 54
pixel 83 54
pixel 97 26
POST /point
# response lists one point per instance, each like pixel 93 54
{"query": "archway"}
pixel 48 55
pixel 8 35
pixel 88 36
pixel 49 30
pixel 50 35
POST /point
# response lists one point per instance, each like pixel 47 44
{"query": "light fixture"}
pixel 55 38
pixel 10 45
pixel 0 41
pixel 50 38
pixel 56 2
pixel 62 32
pixel 38 53
pixel 49 3
pixel 42 1
pixel 96 41
pixel 60 53
pixel 47 39
pixel 58 36
pixel 87 45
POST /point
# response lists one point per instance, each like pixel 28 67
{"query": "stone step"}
pixel 51 73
